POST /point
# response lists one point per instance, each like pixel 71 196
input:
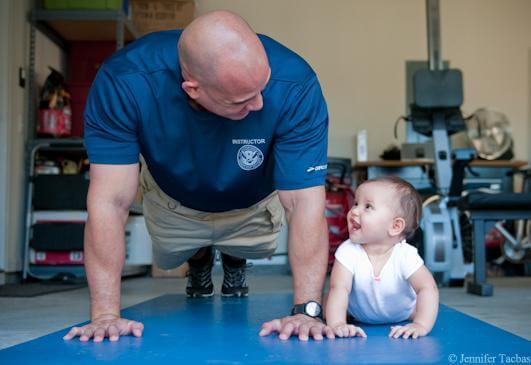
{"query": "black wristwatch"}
pixel 310 308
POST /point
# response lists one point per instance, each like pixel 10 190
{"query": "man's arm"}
pixel 111 191
pixel 308 255
pixel 308 241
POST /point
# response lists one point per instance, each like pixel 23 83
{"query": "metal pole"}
pixel 120 31
pixel 434 35
pixel 29 136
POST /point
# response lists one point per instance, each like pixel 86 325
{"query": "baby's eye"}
pixel 355 204
pixel 368 206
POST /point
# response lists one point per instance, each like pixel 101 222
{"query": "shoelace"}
pixel 200 277
pixel 234 277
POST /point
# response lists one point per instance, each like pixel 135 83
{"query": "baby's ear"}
pixel 398 226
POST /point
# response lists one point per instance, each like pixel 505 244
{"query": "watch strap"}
pixel 301 309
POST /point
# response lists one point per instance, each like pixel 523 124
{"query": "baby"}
pixel 377 276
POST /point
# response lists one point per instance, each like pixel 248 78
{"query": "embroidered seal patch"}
pixel 249 157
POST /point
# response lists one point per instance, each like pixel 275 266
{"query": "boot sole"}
pixel 235 295
pixel 199 295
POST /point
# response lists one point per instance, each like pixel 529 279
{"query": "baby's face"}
pixel 373 213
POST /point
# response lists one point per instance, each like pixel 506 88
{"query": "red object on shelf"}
pixel 56 257
pixel 84 61
pixel 54 122
pixel 339 200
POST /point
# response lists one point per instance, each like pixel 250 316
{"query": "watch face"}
pixel 313 309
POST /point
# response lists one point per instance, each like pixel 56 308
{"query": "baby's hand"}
pixel 412 330
pixel 347 330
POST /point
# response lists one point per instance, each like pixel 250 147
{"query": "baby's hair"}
pixel 410 202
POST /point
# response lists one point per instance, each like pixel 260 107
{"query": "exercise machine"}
pixel 435 112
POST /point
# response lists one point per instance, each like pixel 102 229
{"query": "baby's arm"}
pixel 426 309
pixel 337 303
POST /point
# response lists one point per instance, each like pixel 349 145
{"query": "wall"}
pixel 529 107
pixel 14 102
pixel 12 207
pixel 359 49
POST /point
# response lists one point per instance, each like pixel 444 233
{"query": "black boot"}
pixel 200 275
pixel 234 284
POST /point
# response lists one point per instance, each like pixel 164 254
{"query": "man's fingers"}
pixel 86 334
pixel 270 327
pixel 112 328
pixel 114 334
pixel 317 332
pixel 99 334
pixel 304 327
pixel 74 331
pixel 304 332
pixel 137 328
pixel 286 332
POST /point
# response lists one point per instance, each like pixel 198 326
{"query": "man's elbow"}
pixel 105 205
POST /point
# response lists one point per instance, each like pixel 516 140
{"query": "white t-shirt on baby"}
pixel 388 298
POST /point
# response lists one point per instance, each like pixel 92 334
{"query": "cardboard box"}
pixel 155 15
pixel 178 272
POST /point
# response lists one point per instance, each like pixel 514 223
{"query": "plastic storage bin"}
pixel 86 4
pixel 60 192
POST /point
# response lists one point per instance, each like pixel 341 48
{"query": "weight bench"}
pixel 486 209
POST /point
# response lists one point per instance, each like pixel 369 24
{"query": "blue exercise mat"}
pixel 225 331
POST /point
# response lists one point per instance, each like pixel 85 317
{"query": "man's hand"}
pixel 300 324
pixel 107 326
pixel 347 330
pixel 413 330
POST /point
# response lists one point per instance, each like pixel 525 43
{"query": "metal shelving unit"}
pixel 42 145
pixel 79 25
pixel 63 26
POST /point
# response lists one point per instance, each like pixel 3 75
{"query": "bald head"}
pixel 219 49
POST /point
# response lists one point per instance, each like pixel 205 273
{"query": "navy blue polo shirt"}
pixel 136 106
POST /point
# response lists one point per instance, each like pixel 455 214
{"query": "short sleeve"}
pixel 410 261
pixel 346 255
pixel 111 121
pixel 300 148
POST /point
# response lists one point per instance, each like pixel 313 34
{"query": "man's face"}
pixel 236 100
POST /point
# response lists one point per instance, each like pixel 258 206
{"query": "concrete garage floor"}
pixel 23 319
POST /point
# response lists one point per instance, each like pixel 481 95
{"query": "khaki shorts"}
pixel 177 232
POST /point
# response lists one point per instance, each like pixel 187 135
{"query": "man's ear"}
pixel 191 88
pixel 398 226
